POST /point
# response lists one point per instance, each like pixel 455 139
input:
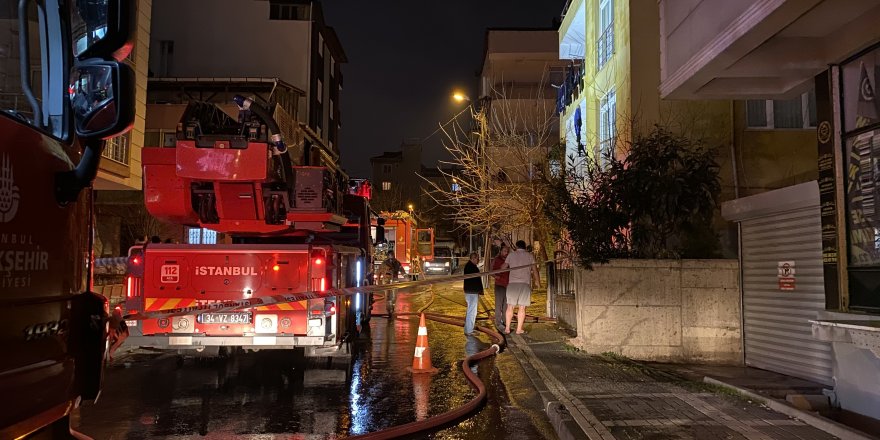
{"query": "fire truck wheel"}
pixel 179 361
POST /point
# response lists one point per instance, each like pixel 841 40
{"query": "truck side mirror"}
pixel 102 98
pixel 380 231
pixel 380 235
pixel 101 95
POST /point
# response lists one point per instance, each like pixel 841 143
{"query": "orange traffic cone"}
pixel 422 355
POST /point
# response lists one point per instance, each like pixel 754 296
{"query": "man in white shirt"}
pixel 519 289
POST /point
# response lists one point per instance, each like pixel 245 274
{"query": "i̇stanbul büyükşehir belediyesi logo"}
pixel 9 196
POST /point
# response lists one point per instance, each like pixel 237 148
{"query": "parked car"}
pixel 442 264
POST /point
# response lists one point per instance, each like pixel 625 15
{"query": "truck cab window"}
pixel 32 65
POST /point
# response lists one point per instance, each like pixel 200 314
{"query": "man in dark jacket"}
pixel 473 287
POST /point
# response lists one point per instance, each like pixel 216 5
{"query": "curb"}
pixel 566 418
pixel 836 429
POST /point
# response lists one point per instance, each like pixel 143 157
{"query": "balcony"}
pixel 757 49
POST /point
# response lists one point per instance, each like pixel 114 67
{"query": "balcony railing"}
pixel 571 87
pixel 605 46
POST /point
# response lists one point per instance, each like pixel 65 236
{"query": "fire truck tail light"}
pixel 319 261
pixel 323 284
pixel 135 260
pixel 329 308
pixel 128 285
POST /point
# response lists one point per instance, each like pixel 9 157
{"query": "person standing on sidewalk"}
pixel 519 289
pixel 501 280
pixel 473 287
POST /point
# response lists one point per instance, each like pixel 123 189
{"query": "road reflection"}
pixel 273 394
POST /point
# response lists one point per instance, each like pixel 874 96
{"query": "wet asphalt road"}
pixel 273 395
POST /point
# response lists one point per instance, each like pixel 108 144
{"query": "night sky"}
pixel 404 60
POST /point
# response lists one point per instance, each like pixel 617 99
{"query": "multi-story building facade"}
pixel 401 182
pixel 817 320
pixel 205 39
pixel 293 64
pixel 396 181
pixel 608 95
pixel 520 68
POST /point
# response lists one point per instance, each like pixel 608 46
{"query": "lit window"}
pixel 799 112
pixel 201 236
pixel 386 186
pixel 456 187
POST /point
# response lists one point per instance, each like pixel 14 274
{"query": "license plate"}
pixel 224 318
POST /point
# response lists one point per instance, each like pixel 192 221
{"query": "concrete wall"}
pixel 662 310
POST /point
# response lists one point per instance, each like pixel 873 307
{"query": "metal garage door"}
pixel 783 226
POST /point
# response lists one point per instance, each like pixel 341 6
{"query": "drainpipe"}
pixel 739 235
pixel 733 151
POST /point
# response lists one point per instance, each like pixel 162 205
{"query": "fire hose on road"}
pixel 457 413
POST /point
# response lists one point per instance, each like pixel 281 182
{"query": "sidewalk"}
pixel 607 397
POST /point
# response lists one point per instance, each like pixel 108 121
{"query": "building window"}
pixel 166 53
pixel 605 43
pixel 201 236
pixel 607 126
pixel 319 94
pixel 386 186
pixel 286 10
pixel 456 187
pixel 386 168
pixel 116 148
pixel 160 138
pixel 799 112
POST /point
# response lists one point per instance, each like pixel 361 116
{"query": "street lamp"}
pixel 460 97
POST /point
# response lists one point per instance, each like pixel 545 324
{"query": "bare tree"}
pixel 502 163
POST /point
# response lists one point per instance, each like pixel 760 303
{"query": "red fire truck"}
pixel 405 241
pixel 295 227
pixel 63 92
